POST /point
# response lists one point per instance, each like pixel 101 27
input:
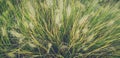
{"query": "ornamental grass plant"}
pixel 59 29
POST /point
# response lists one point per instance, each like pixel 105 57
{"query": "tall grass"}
pixel 59 29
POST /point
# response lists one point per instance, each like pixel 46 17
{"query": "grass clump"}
pixel 59 29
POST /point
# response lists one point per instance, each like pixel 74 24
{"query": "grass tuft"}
pixel 59 29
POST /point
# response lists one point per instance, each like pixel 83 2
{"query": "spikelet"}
pixel 16 34
pixel 49 46
pixel 58 13
pixel 25 24
pixel 31 26
pixel 4 33
pixel 85 30
pixel 83 19
pixel 60 5
pixel 31 45
pixel 58 17
pixel 68 10
pixel 11 54
pixel 110 22
pixel 90 38
pixel 30 9
pixel 49 3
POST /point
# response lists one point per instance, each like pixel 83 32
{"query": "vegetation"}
pixel 59 29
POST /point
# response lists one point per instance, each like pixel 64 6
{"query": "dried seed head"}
pixel 111 22
pixel 32 45
pixel 85 30
pixel 49 3
pixel 49 46
pixel 63 48
pixel 31 9
pixel 58 17
pixel 60 5
pixel 11 54
pixel 31 25
pixel 68 10
pixel 4 33
pixel 83 19
pixel 25 24
pixel 16 34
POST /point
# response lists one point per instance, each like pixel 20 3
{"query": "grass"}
pixel 59 29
